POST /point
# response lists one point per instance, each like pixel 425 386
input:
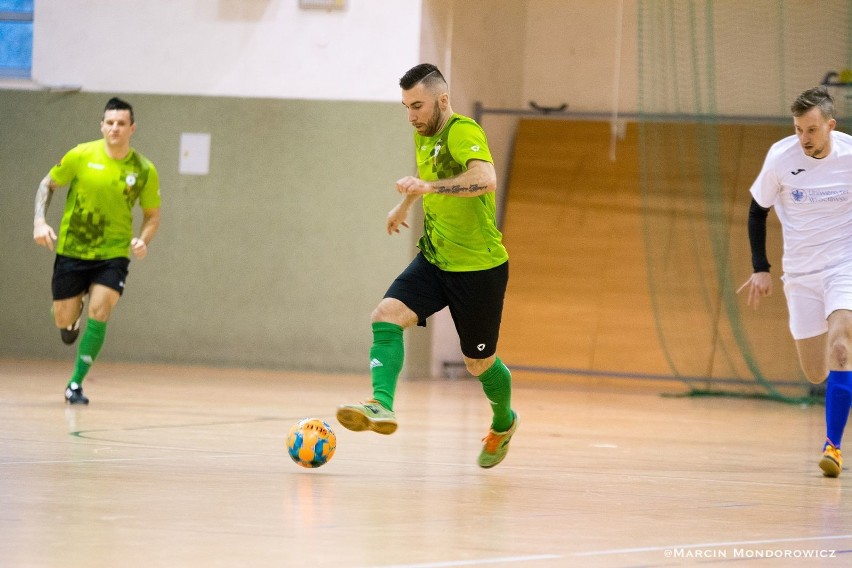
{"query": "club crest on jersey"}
pixel 435 151
pixel 130 180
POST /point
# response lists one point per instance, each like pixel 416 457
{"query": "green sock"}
pixel 497 384
pixel 90 346
pixel 386 356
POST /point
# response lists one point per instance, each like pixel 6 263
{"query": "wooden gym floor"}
pixel 186 467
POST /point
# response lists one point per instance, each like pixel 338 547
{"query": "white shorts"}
pixel 811 298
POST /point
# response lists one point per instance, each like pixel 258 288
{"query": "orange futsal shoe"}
pixel 831 463
pixel 496 445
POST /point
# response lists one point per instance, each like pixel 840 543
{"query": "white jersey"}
pixel 813 201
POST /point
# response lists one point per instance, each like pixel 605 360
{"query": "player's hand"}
pixel 139 248
pixel 410 185
pixel 397 219
pixel 759 285
pixel 43 235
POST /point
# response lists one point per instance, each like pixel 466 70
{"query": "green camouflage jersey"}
pixel 459 233
pixel 98 219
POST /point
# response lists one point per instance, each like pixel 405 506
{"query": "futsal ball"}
pixel 311 442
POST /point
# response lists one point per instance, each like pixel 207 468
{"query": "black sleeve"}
pixel 757 236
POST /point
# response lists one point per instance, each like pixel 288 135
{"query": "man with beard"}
pixel 807 177
pixel 462 263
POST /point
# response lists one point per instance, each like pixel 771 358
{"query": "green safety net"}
pixel 715 83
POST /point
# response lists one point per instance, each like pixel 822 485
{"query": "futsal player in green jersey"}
pixel 106 178
pixel 462 262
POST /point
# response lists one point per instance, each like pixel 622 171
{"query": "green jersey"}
pixel 459 233
pixel 98 219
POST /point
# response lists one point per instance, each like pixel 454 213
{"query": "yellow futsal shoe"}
pixel 831 463
pixel 496 445
pixel 369 415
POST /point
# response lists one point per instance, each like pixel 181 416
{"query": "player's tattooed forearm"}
pixel 42 198
pixel 456 189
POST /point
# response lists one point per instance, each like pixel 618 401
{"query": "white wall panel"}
pixel 247 48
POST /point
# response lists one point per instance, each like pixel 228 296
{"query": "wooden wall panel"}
pixel 580 296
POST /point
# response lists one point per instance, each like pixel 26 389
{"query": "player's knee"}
pixel 478 366
pixel 63 316
pixel 391 310
pixel 381 313
pixel 101 311
pixel 839 353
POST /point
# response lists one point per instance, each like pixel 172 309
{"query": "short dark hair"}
pixel 423 73
pixel 117 104
pixel 814 97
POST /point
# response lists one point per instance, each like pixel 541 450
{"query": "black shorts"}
pixel 73 276
pixel 475 300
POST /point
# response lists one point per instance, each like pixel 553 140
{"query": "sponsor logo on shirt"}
pixel 819 195
pixel 95 166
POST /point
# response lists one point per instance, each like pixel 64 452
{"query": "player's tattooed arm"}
pixel 42 198
pixel 478 179
pixel 456 189
pixel 43 234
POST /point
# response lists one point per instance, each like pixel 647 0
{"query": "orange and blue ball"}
pixel 311 442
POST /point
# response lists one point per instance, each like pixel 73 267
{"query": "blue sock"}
pixel 838 399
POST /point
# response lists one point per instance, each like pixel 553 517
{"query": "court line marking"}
pixel 88 436
pixel 85 434
pixel 498 560
pixel 643 376
pixel 109 460
pixel 711 545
